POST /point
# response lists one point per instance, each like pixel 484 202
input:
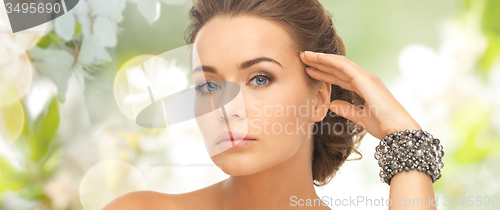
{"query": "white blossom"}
pixel 65 26
pixel 56 64
pixel 149 9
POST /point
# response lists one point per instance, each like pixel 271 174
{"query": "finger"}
pixel 348 111
pixel 326 68
pixel 362 82
pixel 341 63
pixel 329 78
pixel 337 61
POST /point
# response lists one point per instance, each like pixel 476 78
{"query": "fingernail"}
pixel 310 52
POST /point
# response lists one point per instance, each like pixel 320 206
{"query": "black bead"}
pixel 418 135
pixel 428 172
pixel 409 162
pixel 436 142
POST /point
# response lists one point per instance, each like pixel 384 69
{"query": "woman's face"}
pixel 275 105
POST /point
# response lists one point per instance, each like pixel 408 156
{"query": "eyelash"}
pixel 265 75
pixel 256 75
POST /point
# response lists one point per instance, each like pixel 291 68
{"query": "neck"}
pixel 273 188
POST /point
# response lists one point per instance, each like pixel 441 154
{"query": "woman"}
pixel 259 45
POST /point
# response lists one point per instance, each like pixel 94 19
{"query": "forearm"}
pixel 411 190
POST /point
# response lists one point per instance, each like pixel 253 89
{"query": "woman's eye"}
pixel 207 87
pixel 260 80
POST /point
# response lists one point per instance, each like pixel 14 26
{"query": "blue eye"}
pixel 211 86
pixel 261 80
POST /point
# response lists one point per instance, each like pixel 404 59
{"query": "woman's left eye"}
pixel 261 80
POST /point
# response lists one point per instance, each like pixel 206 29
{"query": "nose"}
pixel 225 114
pixel 234 110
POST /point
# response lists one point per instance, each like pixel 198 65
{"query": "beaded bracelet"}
pixel 407 150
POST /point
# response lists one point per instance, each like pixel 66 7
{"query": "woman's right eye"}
pixel 207 86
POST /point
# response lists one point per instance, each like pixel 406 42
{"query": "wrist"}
pixel 403 127
pixel 407 150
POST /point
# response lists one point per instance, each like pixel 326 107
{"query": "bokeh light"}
pixel 11 117
pixel 15 70
pixel 108 180
pixel 143 71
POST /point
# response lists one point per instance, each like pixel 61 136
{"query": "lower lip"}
pixel 237 143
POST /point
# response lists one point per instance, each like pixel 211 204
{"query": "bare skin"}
pixel 389 117
pixel 265 175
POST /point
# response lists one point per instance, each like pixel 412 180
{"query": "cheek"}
pixel 281 121
pixel 285 104
pixel 209 128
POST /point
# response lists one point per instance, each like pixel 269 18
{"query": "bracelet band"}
pixel 407 150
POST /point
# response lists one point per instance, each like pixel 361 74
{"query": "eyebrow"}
pixel 242 66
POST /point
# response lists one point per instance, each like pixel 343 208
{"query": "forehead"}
pixel 233 39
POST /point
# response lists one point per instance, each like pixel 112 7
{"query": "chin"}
pixel 238 164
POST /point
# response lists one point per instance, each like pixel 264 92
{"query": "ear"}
pixel 321 101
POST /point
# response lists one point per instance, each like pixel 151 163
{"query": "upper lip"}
pixel 225 135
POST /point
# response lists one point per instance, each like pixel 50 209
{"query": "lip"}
pixel 237 135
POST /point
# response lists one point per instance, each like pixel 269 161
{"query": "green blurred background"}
pixel 441 59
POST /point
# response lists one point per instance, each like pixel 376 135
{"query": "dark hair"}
pixel 312 28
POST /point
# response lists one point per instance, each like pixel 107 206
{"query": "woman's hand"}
pixel 382 114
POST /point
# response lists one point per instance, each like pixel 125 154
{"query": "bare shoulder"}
pixel 205 198
pixel 139 200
